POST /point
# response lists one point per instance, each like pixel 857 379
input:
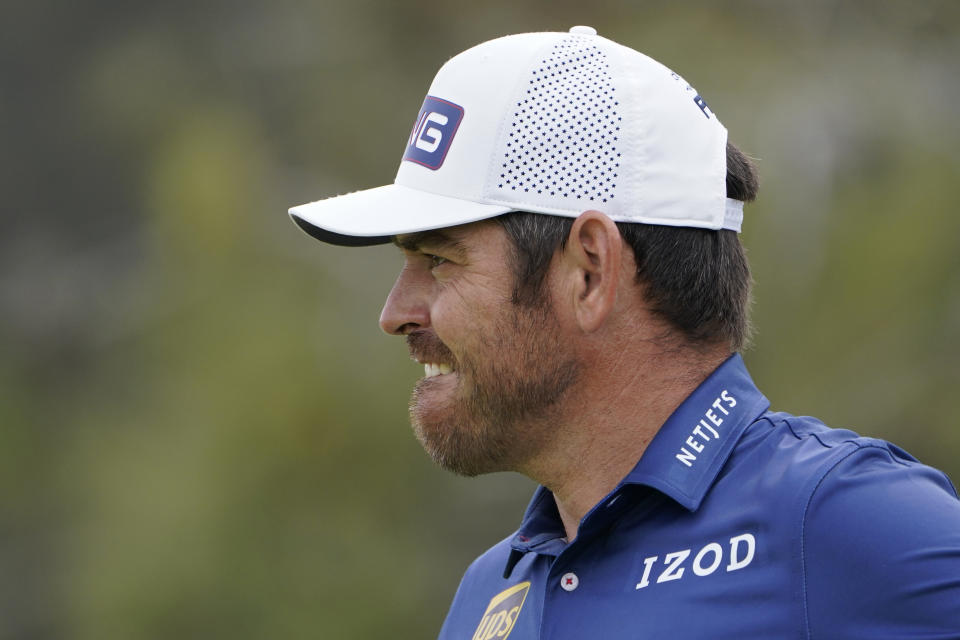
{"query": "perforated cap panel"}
pixel 552 150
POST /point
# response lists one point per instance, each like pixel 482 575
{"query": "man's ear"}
pixel 593 254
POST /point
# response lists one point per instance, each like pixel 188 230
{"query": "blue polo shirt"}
pixel 736 523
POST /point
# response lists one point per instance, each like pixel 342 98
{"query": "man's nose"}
pixel 407 307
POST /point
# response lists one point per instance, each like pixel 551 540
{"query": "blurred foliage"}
pixel 203 433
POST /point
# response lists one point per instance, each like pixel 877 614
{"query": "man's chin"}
pixel 433 399
pixel 453 445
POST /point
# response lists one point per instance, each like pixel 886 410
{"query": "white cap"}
pixel 555 123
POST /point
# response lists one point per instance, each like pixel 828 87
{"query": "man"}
pixel 574 285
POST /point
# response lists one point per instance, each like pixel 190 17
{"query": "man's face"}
pixel 495 372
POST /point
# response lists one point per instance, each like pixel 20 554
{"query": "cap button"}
pixel 581 30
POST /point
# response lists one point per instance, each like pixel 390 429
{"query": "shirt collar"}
pixel 686 455
pixel 681 461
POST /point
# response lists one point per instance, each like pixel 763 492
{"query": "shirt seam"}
pixel 858 441
pixel 803 530
pixel 856 447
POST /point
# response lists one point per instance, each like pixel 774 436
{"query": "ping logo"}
pixel 433 132
pixel 501 613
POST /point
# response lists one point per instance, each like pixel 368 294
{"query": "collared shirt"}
pixel 736 523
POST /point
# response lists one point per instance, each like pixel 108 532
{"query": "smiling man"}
pixel 573 284
pixel 495 373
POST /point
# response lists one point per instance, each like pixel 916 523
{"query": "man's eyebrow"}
pixel 431 239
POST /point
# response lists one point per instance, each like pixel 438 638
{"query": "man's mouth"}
pixel 427 349
pixel 432 370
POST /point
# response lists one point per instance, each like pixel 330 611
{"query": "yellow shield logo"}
pixel 502 613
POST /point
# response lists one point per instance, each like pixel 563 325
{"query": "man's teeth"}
pixel 431 369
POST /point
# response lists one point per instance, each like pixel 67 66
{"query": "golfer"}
pixel 574 286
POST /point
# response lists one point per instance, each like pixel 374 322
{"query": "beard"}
pixel 501 403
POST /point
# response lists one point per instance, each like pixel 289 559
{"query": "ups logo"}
pixel 501 613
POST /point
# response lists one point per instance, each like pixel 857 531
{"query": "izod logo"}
pixel 502 613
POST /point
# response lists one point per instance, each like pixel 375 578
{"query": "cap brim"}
pixel 375 216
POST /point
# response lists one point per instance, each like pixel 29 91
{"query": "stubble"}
pixel 507 397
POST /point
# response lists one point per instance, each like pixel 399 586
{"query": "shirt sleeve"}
pixel 881 550
pixel 453 622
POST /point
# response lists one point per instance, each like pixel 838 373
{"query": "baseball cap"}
pixel 554 123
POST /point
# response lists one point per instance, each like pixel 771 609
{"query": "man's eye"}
pixel 435 261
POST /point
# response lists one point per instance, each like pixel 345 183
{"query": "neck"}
pixel 609 421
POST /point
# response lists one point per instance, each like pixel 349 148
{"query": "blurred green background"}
pixel 203 433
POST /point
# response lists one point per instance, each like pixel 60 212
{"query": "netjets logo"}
pixel 501 613
pixel 433 132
